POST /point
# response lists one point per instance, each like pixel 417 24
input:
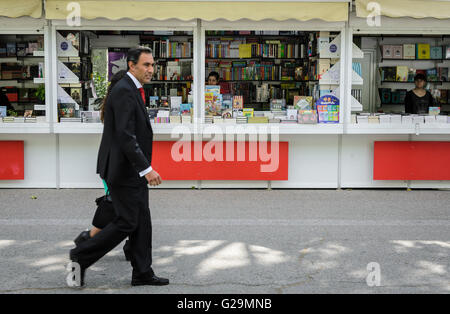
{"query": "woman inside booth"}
pixel 419 100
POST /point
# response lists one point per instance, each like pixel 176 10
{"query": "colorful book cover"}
pixel 303 102
pixel 423 51
pixel 185 108
pixel 432 75
pixel 238 102
pixel 66 110
pixel 154 101
pixel 227 114
pixel 328 109
pixel 277 104
pixel 211 104
pixel 117 60
pixel 402 73
pixel 215 89
pixel 247 112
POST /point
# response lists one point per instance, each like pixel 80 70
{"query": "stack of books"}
pixel 209 119
pixel 241 120
pixel 64 120
pixel 258 120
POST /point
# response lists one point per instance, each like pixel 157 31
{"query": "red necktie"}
pixel 142 94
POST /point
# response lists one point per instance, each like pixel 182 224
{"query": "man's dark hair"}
pixel 135 53
pixel 215 74
pixel 420 76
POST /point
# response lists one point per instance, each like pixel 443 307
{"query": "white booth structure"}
pixel 346 154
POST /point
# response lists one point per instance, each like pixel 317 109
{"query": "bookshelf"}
pixel 22 67
pixel 262 67
pixel 400 57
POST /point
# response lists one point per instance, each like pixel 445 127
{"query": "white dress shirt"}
pixel 139 85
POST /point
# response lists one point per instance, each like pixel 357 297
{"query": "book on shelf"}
pixel 90 116
pixel 153 101
pixel 402 73
pixel 385 95
pixel 186 119
pixel 409 51
pixel 442 97
pixel 238 102
pixel 303 102
pixel 66 110
pixel 227 114
pixel 175 105
pixel 3 111
pixel 397 51
pixel 307 117
pixel 447 52
pixel 277 104
pixel 432 75
pixel 423 51
pixel 248 112
pixel 69 120
pixel 185 108
pixel 168 48
pixel 436 52
pixel 443 74
pixel 28 113
pixel 117 61
pixel 258 120
pixel 388 73
pixel 387 52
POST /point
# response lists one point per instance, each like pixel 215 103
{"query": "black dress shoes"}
pixel 148 279
pixel 83 236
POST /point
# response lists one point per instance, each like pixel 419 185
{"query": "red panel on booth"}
pixel 221 161
pixel 11 160
pixel 411 161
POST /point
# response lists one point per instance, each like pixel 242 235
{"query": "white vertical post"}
pixel 47 74
pixel 349 76
pixel 53 79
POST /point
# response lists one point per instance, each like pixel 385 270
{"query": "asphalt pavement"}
pixel 240 241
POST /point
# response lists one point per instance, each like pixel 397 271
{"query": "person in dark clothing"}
pixel 125 163
pixel 100 219
pixel 4 101
pixel 419 100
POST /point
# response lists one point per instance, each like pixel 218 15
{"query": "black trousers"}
pixel 133 220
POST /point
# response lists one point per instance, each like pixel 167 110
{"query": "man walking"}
pixel 124 162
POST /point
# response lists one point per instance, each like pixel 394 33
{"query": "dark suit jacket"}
pixel 126 146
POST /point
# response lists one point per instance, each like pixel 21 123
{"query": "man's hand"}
pixel 153 178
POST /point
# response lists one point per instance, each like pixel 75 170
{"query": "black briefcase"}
pixel 105 212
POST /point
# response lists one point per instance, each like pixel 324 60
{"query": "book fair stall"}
pixel 313 77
